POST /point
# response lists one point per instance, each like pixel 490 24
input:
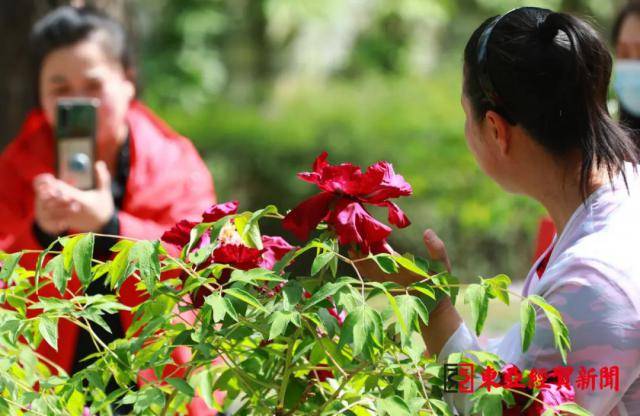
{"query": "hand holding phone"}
pixel 60 206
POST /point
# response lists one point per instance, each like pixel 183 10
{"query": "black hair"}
pixel 67 25
pixel 550 75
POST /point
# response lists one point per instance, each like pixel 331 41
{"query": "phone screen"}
pixel 75 136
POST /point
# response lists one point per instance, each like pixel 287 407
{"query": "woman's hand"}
pixel 51 207
pixel 60 206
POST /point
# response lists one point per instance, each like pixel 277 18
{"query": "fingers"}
pixel 42 179
pixel 56 207
pixel 103 177
pixel 436 248
pixel 51 219
pixel 46 186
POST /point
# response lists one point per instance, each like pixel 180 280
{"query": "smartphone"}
pixel 76 141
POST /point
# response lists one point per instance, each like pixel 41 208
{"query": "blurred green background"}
pixel 263 86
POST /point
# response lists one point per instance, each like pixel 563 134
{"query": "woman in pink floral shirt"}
pixel 535 88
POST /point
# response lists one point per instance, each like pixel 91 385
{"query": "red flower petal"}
pixel 238 256
pixel 343 178
pixel 389 184
pixel 305 217
pixel 378 247
pixel 354 224
pixel 553 395
pixel 218 211
pixel 275 249
pixel 320 162
pixel 179 234
pixel 396 216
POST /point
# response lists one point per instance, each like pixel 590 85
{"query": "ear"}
pixel 129 80
pixel 499 130
pixel 131 89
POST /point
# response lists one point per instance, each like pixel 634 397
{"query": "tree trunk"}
pixel 16 87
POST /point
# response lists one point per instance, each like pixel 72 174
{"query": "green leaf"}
pixel 279 267
pixel 203 253
pixel 447 283
pixel 386 263
pixel 441 407
pixel 393 406
pixel 411 308
pixel 251 231
pixel 60 276
pixel 402 322
pixel 489 404
pixel 145 255
pixel 558 327
pixel 325 291
pixel 245 297
pixel 218 305
pixel 182 386
pixel 320 261
pixel 254 276
pixel 363 329
pixel 425 288
pixel 572 408
pixel 82 255
pixel 476 296
pixel 221 307
pixel 40 262
pixel 410 265
pixel 291 294
pixel 280 321
pixel 499 287
pixel 196 234
pixel 120 266
pixel 9 263
pixel 527 324
pixel 48 328
pixel 69 244
pixel 247 226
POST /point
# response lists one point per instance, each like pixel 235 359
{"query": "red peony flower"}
pixel 218 211
pixel 179 234
pixel 275 249
pixel 237 255
pixel 230 249
pixel 345 191
pixel 551 394
pixel 322 375
pixel 340 316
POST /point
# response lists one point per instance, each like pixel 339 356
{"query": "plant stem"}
pixel 287 372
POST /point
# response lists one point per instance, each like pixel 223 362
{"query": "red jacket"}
pixel 168 181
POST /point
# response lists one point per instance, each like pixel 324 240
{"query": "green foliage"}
pixel 258 336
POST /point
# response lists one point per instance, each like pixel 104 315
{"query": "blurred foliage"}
pixel 263 86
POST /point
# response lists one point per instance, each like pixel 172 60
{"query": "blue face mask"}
pixel 627 85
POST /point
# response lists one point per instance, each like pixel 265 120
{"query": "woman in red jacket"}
pixel 147 176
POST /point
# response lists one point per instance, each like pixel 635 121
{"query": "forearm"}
pixel 444 320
